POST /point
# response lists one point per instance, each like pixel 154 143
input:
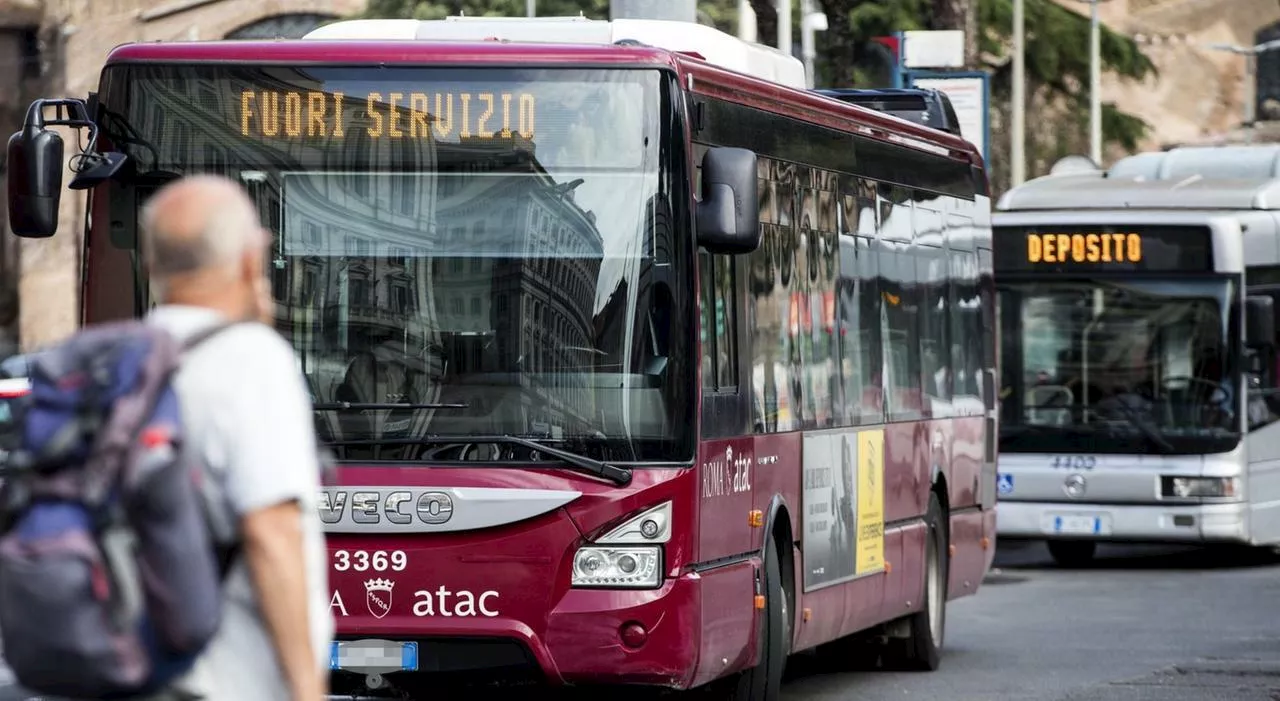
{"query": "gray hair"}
pixel 193 234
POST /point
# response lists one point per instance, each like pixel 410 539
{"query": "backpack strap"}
pixel 206 334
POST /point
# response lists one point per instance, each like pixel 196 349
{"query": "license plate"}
pixel 373 656
pixel 1078 524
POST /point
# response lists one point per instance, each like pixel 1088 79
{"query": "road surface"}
pixel 1141 624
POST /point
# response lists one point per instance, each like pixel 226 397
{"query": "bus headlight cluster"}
pixel 638 567
pixel 1192 487
pixel 629 556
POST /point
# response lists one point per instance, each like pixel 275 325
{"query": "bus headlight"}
pixel 1192 487
pixel 635 567
pixel 650 526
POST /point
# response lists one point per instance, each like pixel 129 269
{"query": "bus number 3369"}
pixel 363 560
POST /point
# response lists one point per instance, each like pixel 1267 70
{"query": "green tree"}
pixel 962 15
pixel 766 22
pixel 721 14
pixel 851 24
pixel 1057 62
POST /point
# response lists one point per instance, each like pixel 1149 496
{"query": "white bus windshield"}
pixel 456 251
pixel 1124 366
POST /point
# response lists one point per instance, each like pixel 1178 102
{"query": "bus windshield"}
pixel 1132 366
pixel 457 252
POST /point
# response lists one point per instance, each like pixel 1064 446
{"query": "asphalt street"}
pixel 1140 624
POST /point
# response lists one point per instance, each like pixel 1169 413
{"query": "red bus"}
pixel 638 368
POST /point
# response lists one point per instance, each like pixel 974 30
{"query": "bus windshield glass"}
pixel 457 252
pixel 1133 366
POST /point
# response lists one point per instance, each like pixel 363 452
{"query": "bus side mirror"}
pixel 1259 321
pixel 729 213
pixel 34 177
pixel 34 180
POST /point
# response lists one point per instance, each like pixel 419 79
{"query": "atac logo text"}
pixel 726 475
pixel 378 598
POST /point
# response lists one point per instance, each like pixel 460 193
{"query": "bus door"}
pixel 726 451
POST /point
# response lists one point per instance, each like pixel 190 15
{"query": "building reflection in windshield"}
pixel 511 281
pixel 500 282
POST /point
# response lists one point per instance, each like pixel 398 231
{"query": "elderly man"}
pixel 249 415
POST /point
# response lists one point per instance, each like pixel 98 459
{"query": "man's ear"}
pixel 251 265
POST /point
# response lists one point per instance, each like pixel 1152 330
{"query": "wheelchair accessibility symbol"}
pixel 1004 484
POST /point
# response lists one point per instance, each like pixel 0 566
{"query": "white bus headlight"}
pixel 634 567
pixel 1191 487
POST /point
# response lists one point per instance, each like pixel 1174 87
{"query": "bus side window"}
pixel 706 302
pixel 1263 388
pixel 933 315
pixel 900 330
pixel 719 333
pixel 717 306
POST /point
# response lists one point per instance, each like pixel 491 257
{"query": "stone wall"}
pixel 78 36
pixel 1199 92
pixel 20 77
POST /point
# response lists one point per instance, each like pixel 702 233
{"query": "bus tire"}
pixel 1072 553
pixel 764 681
pixel 921 650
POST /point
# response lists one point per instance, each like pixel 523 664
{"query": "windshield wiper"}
pixel 1151 433
pixel 379 406
pixel 614 473
pixel 618 475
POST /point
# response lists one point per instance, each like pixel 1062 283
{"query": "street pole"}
pixel 807 52
pixel 531 8
pixel 1250 88
pixel 1095 86
pixel 1018 169
pixel 784 25
pixel 746 21
pixel 1250 91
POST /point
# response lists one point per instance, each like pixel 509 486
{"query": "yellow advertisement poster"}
pixel 870 501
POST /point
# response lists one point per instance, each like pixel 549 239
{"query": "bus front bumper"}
pixel 1124 523
pixel 581 641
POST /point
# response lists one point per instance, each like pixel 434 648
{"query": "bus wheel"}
pixel 1072 553
pixel 922 649
pixel 764 681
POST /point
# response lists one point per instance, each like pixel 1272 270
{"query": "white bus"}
pixel 1138 353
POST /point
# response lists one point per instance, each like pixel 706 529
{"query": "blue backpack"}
pixel 114 541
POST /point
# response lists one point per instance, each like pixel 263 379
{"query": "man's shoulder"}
pixel 248 350
pixel 252 339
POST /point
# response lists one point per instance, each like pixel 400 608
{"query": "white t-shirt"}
pixel 247 411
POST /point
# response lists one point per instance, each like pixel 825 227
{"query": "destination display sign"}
pixel 370 117
pixel 1138 248
pixel 390 114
